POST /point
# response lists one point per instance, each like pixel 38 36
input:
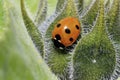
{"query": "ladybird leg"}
pixel 61 48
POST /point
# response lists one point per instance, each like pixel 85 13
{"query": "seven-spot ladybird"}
pixel 66 32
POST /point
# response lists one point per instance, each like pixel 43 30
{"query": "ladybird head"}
pixel 57 42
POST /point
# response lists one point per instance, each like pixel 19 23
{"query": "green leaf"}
pixel 113 26
pixel 113 21
pixel 60 4
pixel 86 3
pixel 80 5
pixel 89 16
pixel 51 6
pixel 94 57
pixel 32 30
pixel 19 59
pixel 41 13
pixel 107 5
pixel 1 16
pixel 58 59
pixel 33 7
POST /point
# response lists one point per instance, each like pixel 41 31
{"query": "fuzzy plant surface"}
pixel 28 53
pixel 19 59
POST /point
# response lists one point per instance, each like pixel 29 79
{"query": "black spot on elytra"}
pixel 67 31
pixel 58 25
pixel 77 27
pixel 57 36
pixel 71 39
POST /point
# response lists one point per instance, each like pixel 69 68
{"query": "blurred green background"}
pixel 15 43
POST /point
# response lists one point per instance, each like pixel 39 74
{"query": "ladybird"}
pixel 66 32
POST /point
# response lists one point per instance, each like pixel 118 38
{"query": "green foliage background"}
pixel 21 60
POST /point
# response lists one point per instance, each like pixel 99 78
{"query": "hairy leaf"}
pixel 113 26
pixel 19 59
pixel 86 3
pixel 107 5
pixel 58 59
pixel 41 13
pixel 89 16
pixel 32 7
pixel 113 21
pixel 80 5
pixel 60 4
pixel 94 57
pixel 51 7
pixel 32 30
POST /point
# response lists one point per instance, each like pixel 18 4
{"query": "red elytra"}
pixel 66 32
